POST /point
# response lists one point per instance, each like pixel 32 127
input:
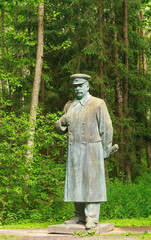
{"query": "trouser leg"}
pixel 87 211
pixel 80 210
pixel 92 212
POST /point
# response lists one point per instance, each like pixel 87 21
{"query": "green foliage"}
pixel 129 222
pixel 10 237
pixel 128 200
pixel 30 191
pixel 13 137
pixel 126 222
pixel 88 234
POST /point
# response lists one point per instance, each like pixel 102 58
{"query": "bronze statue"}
pixel 89 127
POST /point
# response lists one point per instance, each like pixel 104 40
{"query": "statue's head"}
pixel 81 84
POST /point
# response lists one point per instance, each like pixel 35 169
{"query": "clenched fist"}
pixel 63 120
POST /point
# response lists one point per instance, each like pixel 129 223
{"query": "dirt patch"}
pixel 42 234
pixel 80 238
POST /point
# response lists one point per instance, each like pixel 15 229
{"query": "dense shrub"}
pixel 30 190
pixel 13 139
pixel 128 200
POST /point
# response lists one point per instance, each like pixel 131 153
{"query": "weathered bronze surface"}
pixel 89 127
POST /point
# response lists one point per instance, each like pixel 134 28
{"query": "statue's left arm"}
pixel 105 128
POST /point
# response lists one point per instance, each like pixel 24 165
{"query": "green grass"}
pixel 10 237
pixel 118 223
pixel 26 225
pixel 133 222
pixel 144 236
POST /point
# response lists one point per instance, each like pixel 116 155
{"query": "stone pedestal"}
pixel 73 228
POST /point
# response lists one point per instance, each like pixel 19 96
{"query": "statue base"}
pixel 73 228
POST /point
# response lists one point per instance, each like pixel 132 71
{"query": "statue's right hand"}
pixel 63 120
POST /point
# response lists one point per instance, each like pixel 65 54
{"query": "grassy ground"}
pixel 10 237
pixel 117 222
pixel 26 225
pixel 145 236
pixel 133 222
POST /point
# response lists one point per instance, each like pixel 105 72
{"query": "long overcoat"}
pixel 90 132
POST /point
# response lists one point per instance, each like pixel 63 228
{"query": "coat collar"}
pixel 83 101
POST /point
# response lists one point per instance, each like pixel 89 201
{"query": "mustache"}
pixel 78 92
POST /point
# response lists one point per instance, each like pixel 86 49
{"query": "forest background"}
pixel 109 40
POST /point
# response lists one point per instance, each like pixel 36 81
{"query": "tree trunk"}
pixel 148 145
pixel 140 53
pixel 125 92
pixel 106 170
pixel 43 95
pixel 118 96
pixel 118 90
pixel 142 57
pixel 144 64
pixel 101 52
pixel 148 151
pixel 37 80
pixel 16 17
pixel 125 36
pixel 28 18
pixel 2 50
pixel 119 111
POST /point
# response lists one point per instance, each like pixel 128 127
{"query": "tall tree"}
pixel 2 48
pixel 118 86
pixel 101 51
pixel 37 79
pixel 125 36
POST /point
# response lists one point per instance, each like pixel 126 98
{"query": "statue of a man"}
pixel 89 127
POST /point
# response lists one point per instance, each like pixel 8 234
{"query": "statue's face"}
pixel 81 89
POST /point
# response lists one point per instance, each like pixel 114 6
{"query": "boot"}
pixel 90 224
pixel 73 220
